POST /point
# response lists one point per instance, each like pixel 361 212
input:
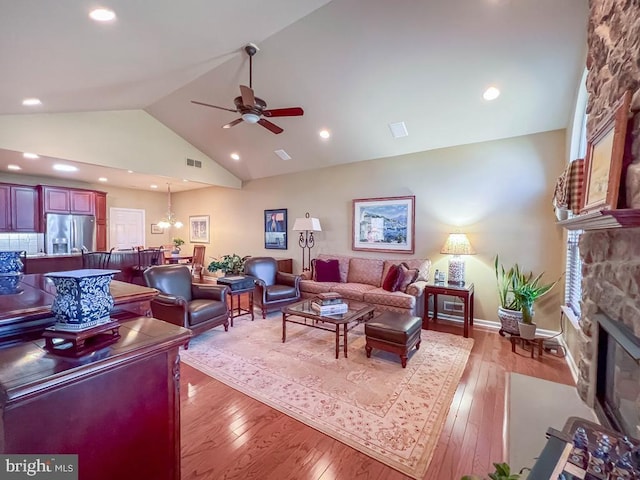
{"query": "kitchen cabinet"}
pixel 19 210
pixel 67 200
pixel 101 220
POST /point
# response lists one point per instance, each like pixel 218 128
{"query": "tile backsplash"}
pixel 30 242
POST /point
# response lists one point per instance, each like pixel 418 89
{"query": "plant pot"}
pixel 527 330
pixel 509 320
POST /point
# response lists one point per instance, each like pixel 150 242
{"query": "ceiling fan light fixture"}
pixel 250 117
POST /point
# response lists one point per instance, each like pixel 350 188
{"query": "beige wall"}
pixel 498 192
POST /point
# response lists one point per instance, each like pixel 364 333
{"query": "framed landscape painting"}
pixel 275 229
pixel 199 229
pixel 384 224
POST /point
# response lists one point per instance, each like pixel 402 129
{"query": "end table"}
pixel 465 292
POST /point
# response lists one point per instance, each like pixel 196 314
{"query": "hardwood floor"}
pixel 228 435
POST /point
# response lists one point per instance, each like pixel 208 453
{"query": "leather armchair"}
pixel 194 306
pixel 273 288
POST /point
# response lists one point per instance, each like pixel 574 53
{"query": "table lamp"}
pixel 457 244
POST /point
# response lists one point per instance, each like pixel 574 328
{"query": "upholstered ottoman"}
pixel 393 332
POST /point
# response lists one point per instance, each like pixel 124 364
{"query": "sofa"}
pixel 362 279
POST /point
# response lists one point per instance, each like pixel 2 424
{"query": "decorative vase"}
pixel 509 320
pixel 9 283
pixel 527 330
pixel 10 261
pixel 83 299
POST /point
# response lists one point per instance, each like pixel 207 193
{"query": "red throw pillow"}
pixel 390 280
pixel 327 270
pixel 406 276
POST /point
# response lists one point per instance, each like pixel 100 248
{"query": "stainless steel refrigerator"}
pixel 70 233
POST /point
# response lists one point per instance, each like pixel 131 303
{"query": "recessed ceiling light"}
pixel 31 102
pixel 102 179
pixel 102 15
pixel 398 129
pixel 185 180
pixel 129 171
pixel 30 155
pixel 61 167
pixel 324 134
pixel 235 156
pixel 153 186
pixel 491 93
pixel 13 167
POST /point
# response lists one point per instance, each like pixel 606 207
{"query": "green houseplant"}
pixel 233 264
pixel 517 292
pixel 177 242
pixel 502 472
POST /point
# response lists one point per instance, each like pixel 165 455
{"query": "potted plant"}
pixel 229 264
pixel 502 472
pixel 177 242
pixel 517 292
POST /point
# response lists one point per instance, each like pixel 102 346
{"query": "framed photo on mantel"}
pixel 604 162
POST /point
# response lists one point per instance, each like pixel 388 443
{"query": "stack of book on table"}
pixel 329 304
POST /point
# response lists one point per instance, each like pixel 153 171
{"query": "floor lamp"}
pixel 306 226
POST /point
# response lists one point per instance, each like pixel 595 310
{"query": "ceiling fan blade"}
pixel 284 112
pixel 213 106
pixel 231 124
pixel 270 126
pixel 248 98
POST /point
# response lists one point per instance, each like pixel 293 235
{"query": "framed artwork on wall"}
pixel 384 224
pixel 199 229
pixel 275 229
pixel 604 162
pixel 155 229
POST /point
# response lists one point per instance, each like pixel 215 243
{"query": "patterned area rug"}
pixel 392 414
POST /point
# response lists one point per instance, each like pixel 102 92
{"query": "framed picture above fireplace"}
pixel 604 162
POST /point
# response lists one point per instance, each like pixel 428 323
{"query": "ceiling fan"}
pixel 251 108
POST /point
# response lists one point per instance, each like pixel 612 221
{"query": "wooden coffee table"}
pixel 302 314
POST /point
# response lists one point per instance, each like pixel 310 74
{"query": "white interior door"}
pixel 126 228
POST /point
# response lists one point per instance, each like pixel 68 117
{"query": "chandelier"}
pixel 170 219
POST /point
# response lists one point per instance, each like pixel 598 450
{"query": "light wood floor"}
pixel 228 435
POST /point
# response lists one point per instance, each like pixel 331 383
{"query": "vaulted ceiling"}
pixel 354 66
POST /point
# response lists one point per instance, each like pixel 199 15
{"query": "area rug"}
pixel 392 414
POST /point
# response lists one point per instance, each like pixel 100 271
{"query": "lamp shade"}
pixel 457 244
pixel 307 224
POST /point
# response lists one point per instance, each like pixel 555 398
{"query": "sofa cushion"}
pixel 311 286
pixel 343 262
pixel 391 278
pixel 421 264
pixel 352 291
pixel 406 276
pixel 365 270
pixel 327 270
pixel 397 300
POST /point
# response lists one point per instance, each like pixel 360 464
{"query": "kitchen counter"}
pixel 45 263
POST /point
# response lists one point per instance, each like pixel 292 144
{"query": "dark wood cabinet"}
pixel 101 220
pixel 82 202
pixel 118 408
pixel 285 265
pixel 19 210
pixel 67 200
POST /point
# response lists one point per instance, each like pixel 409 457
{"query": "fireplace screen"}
pixel 619 376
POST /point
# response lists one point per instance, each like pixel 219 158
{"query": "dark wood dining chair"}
pixel 197 262
pixel 98 260
pixel 147 257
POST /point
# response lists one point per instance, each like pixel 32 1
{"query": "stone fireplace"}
pixel 611 257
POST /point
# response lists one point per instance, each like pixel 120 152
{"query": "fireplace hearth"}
pixel 617 401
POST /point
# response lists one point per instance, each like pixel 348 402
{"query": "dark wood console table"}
pixel 465 292
pixel 117 408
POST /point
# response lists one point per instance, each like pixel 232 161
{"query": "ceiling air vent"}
pixel 282 154
pixel 398 129
pixel 194 163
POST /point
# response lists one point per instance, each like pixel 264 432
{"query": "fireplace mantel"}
pixel 603 219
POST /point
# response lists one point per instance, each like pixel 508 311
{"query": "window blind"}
pixel 573 286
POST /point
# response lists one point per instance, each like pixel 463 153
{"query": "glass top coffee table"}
pixel 302 314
